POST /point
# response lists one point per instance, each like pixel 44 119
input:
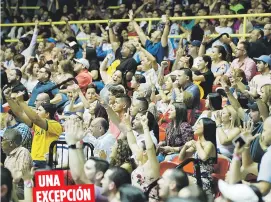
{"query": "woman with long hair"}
pixel 121 155
pixel 213 103
pixel 204 149
pixel 219 62
pixel 178 132
pixel 227 122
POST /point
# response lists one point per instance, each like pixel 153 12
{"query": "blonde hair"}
pixel 235 121
pixel 266 89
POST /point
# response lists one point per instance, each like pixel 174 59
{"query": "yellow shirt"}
pixel 112 68
pixel 43 138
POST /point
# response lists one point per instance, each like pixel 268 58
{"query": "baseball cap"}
pixel 253 106
pixel 196 43
pixel 264 58
pixel 83 62
pixel 237 192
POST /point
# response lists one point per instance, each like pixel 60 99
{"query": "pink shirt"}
pixel 248 66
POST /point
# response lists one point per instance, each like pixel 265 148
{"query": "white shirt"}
pixel 105 143
pixel 261 80
pixel 140 137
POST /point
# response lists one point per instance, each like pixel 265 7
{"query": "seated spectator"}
pixel 242 61
pixel 42 86
pixel 83 77
pixel 257 47
pixel 17 157
pixel 204 149
pixel 13 123
pixel 100 137
pixel 178 132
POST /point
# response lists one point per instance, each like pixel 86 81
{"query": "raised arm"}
pixel 138 29
pixel 31 114
pixel 16 109
pixel 148 55
pixel 150 146
pixel 164 39
pixel 74 134
pixel 234 102
pixel 105 77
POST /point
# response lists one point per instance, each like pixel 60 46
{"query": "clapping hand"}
pixel 218 119
pixel 20 96
pixel 7 93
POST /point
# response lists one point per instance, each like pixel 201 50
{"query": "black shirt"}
pixel 127 65
pixel 257 49
pixel 208 83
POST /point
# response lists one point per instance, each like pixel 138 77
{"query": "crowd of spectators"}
pixel 146 102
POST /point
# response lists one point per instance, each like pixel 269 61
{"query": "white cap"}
pixel 237 192
pixel 83 62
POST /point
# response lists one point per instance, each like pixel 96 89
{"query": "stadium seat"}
pixel 166 165
pixel 189 168
pixel 162 134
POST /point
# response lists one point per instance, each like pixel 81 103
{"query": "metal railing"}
pixel 150 20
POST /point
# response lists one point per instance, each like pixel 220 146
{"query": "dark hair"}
pixel 12 49
pixel 180 178
pixel 140 78
pixel 222 51
pixel 215 101
pixel 100 164
pixel 190 61
pixel 246 45
pixel 116 89
pixel 129 193
pixel 209 131
pixel 100 111
pixel 49 108
pixel 47 71
pixel 25 41
pixel 207 59
pixel 92 85
pixel 120 176
pixel 188 73
pixel 18 73
pixel 181 112
pixel 67 66
pixel 30 69
pixel 104 124
pixel 92 58
pixel 125 98
pixel 144 103
pixel 6 179
pixel 197 193
pixel 19 58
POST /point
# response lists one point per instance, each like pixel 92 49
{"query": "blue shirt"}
pixel 265 171
pixel 156 49
pixel 41 87
pixel 194 90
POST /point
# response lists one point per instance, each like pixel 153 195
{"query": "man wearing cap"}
pixel 263 66
pixel 83 76
pixel 193 48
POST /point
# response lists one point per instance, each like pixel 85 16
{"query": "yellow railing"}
pixel 244 16
pixel 37 7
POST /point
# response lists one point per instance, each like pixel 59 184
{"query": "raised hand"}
pixel 7 93
pixel 144 121
pixel 20 96
pixel 74 131
pixel 252 89
pixel 131 15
